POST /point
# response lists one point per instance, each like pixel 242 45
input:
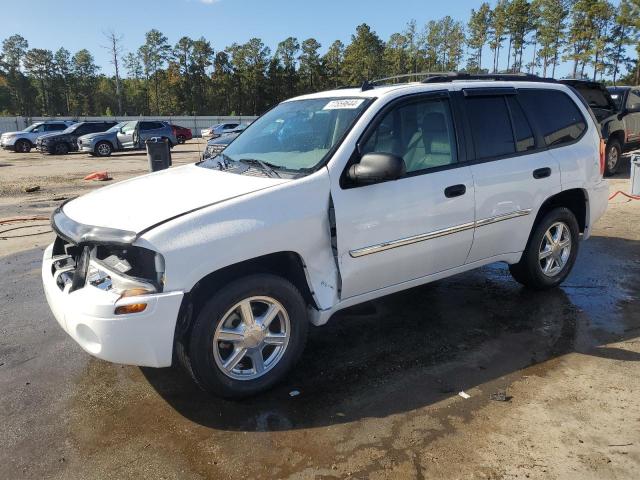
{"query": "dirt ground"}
pixel 378 385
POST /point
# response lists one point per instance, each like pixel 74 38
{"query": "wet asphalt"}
pixel 67 415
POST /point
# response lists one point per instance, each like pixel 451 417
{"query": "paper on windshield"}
pixel 347 103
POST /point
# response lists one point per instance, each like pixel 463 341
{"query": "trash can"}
pixel 635 174
pixel 158 153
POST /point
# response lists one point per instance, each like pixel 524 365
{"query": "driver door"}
pixel 402 230
pixel 126 134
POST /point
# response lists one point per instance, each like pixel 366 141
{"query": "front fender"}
pixel 292 217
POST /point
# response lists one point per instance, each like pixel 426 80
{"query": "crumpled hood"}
pixel 139 203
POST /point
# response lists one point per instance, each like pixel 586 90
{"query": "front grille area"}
pixel 66 258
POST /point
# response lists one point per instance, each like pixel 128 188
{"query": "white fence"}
pixel 9 124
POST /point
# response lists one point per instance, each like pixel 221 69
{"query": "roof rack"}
pixel 437 77
pixel 410 75
pixel 512 77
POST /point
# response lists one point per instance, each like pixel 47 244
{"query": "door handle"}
pixel 542 172
pixel 455 191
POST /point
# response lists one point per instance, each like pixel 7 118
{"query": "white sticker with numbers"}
pixel 347 103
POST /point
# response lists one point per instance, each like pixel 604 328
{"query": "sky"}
pixel 77 24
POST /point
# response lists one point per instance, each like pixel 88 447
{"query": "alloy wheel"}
pixel 251 338
pixel 612 158
pixel 555 249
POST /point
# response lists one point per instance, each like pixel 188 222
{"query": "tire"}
pixel 242 341
pixel 181 139
pixel 613 153
pixel 103 149
pixel 558 261
pixel 60 148
pixel 23 146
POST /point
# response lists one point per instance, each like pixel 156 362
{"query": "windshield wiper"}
pixel 266 166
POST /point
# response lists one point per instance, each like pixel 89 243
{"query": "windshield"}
pixel 617 94
pixel 33 127
pixel 72 128
pixel 295 135
pixel 116 127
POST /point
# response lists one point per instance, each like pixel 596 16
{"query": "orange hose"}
pixel 628 195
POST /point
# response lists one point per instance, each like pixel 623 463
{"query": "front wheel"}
pixel 247 336
pixel 612 155
pixel 23 146
pixel 103 149
pixel 551 251
pixel 61 149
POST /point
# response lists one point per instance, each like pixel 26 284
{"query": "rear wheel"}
pixel 23 146
pixel 181 139
pixel 613 154
pixel 103 149
pixel 247 336
pixel 61 148
pixel 551 251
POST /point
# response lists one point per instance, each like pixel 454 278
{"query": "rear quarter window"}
pixel 555 114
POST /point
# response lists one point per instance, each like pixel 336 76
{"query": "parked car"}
pixel 125 136
pixel 219 129
pixel 66 141
pixel 326 201
pixel 216 145
pixel 24 140
pixel 620 126
pixel 182 134
pixel 627 100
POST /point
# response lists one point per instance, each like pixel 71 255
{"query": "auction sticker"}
pixel 347 103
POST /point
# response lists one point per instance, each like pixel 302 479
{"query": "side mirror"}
pixel 376 168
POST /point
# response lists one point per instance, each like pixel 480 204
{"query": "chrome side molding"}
pixel 381 247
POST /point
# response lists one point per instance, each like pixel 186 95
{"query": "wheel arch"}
pixel 575 199
pixel 617 135
pixel 287 264
pixel 105 140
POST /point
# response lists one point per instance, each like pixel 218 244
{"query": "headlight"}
pixel 8 136
pixel 126 272
pixel 99 276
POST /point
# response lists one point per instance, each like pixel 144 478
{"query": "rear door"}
pixel 149 130
pixel 394 232
pixel 513 172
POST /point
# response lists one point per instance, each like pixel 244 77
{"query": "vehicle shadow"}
pixel 418 347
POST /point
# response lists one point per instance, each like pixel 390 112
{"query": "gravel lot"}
pixel 378 385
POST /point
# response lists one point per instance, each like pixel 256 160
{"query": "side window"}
pixel 146 126
pixel 420 132
pixel 128 128
pixel 491 126
pixel 54 127
pixel 555 114
pixel 633 100
pixel 521 127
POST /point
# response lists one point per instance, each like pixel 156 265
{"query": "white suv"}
pixel 24 140
pixel 326 201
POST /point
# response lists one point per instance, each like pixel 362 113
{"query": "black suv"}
pixel 617 110
pixel 60 143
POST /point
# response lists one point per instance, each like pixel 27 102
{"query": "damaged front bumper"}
pixel 88 315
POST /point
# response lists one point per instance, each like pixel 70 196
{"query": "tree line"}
pixel 193 78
